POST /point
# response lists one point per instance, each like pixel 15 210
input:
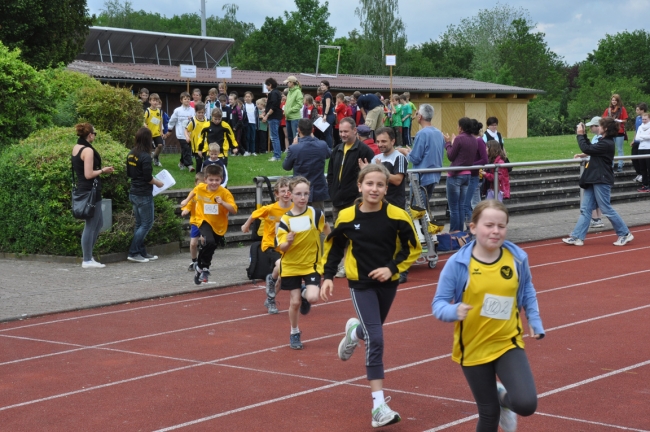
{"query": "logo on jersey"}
pixel 476 271
pixel 357 226
pixel 506 272
pixel 313 279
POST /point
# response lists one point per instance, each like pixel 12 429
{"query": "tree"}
pixel 47 32
pixel 447 58
pixel 382 33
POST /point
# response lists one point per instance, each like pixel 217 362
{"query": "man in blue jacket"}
pixel 307 159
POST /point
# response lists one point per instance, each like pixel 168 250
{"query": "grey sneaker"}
pixel 138 258
pixel 596 223
pixel 294 341
pixel 151 257
pixel 384 416
pixel 573 241
pixel 156 162
pixel 623 240
pixel 205 274
pixel 273 309
pixel 270 286
pixel 341 272
pixel 347 345
pixel 508 419
pixel 274 159
pixel 197 275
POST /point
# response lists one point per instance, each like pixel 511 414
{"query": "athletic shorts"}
pixel 194 231
pixel 295 282
pixel 158 141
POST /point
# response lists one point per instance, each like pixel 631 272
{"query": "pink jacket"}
pixel 504 178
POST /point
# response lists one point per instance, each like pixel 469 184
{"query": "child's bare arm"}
pixel 246 227
pixel 186 200
pixel 231 209
pixel 327 229
pixel 287 244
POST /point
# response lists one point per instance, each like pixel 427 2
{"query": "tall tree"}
pixel 47 32
pixel 382 33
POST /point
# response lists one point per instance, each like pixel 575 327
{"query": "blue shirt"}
pixel 428 152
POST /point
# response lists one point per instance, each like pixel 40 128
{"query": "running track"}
pixel 215 361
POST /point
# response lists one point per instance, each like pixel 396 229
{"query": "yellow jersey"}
pixel 191 207
pixel 270 215
pixel 493 325
pixel 207 209
pixel 154 122
pixel 304 254
pixel 195 128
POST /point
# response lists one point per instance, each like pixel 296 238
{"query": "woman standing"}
pixel 383 244
pixel 293 107
pixel 87 165
pixel 139 170
pixel 272 117
pixel 617 111
pixel 485 305
pixel 328 112
pixel 461 151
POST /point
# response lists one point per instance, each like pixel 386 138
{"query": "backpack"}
pixel 261 263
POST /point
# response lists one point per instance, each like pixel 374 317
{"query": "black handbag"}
pixel 83 203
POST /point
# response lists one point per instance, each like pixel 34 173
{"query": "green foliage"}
pixel 21 111
pixel 65 86
pixel 111 109
pixel 35 198
pixel 442 58
pixel 545 118
pixel 47 32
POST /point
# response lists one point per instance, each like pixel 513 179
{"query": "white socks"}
pixel 377 399
pixel 295 330
pixel 353 336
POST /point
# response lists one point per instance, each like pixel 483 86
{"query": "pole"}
pixel 203 32
pixel 391 82
pixel 188 85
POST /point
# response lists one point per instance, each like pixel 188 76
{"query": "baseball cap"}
pixel 292 79
pixel 364 130
pixel 594 121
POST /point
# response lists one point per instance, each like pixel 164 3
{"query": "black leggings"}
pixel 513 370
pixel 212 241
pixel 372 306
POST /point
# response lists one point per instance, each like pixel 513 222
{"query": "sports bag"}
pixel 83 203
pixel 261 263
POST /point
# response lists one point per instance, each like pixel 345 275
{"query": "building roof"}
pixel 115 45
pixel 164 74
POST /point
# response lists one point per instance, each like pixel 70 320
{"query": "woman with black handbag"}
pixel 87 165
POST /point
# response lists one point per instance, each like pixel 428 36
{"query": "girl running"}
pixel 482 288
pixel 383 244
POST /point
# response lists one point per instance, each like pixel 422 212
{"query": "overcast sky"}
pixel 573 27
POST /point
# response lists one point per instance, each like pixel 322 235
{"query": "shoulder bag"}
pixel 83 203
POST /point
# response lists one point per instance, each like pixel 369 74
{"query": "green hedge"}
pixel 35 198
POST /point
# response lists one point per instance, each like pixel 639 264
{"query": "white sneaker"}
pixel 384 416
pixel 508 419
pixel 274 159
pixel 573 241
pixel 254 154
pixel 623 240
pixel 638 178
pixel 181 166
pixel 247 154
pixel 341 272
pixel 92 264
pixel 347 345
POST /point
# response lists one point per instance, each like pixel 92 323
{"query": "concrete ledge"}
pixel 164 249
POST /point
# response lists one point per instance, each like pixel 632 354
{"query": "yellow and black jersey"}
pixel 195 128
pixel 385 238
pixel 220 133
pixel 493 325
pixel 153 120
pixel 304 254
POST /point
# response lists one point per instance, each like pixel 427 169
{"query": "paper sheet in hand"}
pixel 166 178
pixel 321 124
pixel 300 223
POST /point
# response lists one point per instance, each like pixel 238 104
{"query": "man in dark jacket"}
pixel 272 116
pixel 597 180
pixel 307 159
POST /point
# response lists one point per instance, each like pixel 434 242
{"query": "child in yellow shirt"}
pixel 213 205
pixel 194 134
pixel 195 234
pixel 154 121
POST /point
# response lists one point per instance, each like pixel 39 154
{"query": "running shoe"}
pixel 623 240
pixel 246 154
pixel 573 241
pixel 508 419
pixel 638 178
pixel 205 274
pixel 347 345
pixel 270 286
pixel 403 278
pixel 92 264
pixel 273 308
pixel 274 159
pixel 191 267
pixel 156 162
pixel 643 189
pixel 181 166
pixel 596 223
pixel 305 306
pixel 191 169
pixel 294 341
pixel 384 416
pixel 197 275
pixel 151 257
pixel 138 258
pixel 341 272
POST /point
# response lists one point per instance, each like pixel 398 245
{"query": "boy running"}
pixel 195 234
pixel 154 121
pixel 214 159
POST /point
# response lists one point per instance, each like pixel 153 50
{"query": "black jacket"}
pixel 601 157
pixel 344 191
pixel 273 101
pixel 307 159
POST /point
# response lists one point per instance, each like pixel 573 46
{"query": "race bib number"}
pixel 299 224
pixel 497 307
pixel 155 120
pixel 211 209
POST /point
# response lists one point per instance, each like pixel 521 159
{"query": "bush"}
pixel 111 109
pixel 545 118
pixel 25 100
pixel 35 198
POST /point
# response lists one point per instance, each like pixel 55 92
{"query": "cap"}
pixel 594 121
pixel 364 130
pixel 292 79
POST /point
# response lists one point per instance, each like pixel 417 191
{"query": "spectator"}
pixel 396 121
pixel 179 121
pixel 643 136
pixel 196 97
pixel 341 112
pixel 481 158
pixel 250 121
pixel 371 108
pixel 262 135
pixel 309 110
pixel 328 112
pixel 617 111
pixel 596 215
pixel 496 156
pixel 307 159
pixel 212 100
pixel 144 98
pixel 293 107
pixel 636 163
pixel 406 120
pixel 356 115
pixel 283 122
pixel 273 116
pixel 491 132
pixel 365 136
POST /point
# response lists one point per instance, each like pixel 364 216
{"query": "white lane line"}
pixel 597 235
pixel 592 281
pixel 590 422
pixel 590 257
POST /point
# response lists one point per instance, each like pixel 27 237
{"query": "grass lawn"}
pixel 241 170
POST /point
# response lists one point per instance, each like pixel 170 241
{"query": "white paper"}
pixel 166 178
pixel 391 60
pixel 321 124
pixel 211 209
pixel 300 223
pixel 224 72
pixel 188 71
pixel 497 307
pixel 264 89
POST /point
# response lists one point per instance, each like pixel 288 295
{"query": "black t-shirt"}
pixel 145 106
pixel 139 169
pixel 328 95
pixel 273 103
pixel 368 102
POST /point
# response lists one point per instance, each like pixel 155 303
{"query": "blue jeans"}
pixel 597 196
pixel 143 210
pixel 250 137
pixel 472 188
pixel 456 194
pixel 292 130
pixel 274 128
pixel 619 149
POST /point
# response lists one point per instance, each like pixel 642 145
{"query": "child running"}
pixel 299 240
pixel 195 234
pixel 213 151
pixel 270 216
pixel 485 305
pixel 213 205
pixel 194 134
pixel 383 244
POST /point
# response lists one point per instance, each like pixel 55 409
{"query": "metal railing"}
pixel 259 181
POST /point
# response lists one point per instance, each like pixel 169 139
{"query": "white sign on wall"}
pixel 188 71
pixel 391 60
pixel 224 72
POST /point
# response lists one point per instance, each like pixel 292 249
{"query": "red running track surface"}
pixel 216 361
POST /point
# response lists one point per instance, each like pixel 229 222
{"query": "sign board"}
pixel 224 72
pixel 188 71
pixel 391 60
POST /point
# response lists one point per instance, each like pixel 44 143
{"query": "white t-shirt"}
pixel 250 111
